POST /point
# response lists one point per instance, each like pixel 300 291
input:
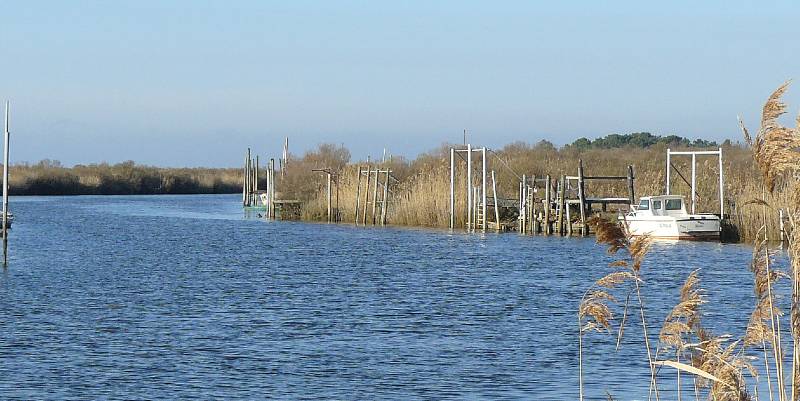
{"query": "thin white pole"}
pixel 694 180
pixel 469 186
pixel 483 151
pixel 5 187
pixel 452 188
pixel 721 188
pixel 669 168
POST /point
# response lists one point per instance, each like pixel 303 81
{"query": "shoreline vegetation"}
pixel 420 195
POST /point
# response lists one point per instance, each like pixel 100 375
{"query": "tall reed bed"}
pixel 721 367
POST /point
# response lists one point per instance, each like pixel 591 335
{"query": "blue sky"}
pixel 193 83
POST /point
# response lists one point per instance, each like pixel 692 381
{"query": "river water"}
pixel 143 297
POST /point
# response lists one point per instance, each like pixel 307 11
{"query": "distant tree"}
pixel 582 143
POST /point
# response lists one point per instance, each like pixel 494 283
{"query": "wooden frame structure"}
pixel 332 177
pixel 694 155
pixel 369 173
pixel 476 196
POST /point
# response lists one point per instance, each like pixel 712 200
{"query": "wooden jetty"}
pixel 544 204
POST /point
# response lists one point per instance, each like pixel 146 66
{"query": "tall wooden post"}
pixel 694 181
pixel 255 180
pixel 358 195
pixel 631 194
pixel 722 186
pixel 548 192
pixel 452 188
pixel 366 195
pixel 469 187
pixel 6 135
pixel 271 211
pixel 582 198
pixel 496 202
pixel 330 198
pixel 385 204
pixel 562 192
pixel 524 204
pixel 483 189
pixel 244 180
pixel 375 196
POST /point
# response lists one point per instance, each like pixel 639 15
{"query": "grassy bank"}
pixel 50 178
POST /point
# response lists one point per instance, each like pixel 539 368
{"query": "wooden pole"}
pixel 483 190
pixel 631 193
pixel 561 202
pixel 582 198
pixel 244 181
pixel 452 188
pixel 272 188
pixel 548 189
pixel 496 202
pixel 366 195
pixel 694 181
pixel 330 198
pixel 569 221
pixel 469 187
pixel 6 135
pixel 669 170
pixel 519 207
pixel 721 188
pixel 269 185
pixel 385 204
pixel 524 204
pixel 249 175
pixel 255 181
pixel 375 196
pixel 358 195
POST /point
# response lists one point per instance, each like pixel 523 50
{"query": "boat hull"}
pixel 690 228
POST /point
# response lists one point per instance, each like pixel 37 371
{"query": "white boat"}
pixel 665 216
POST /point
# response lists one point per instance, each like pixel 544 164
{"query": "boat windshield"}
pixel 644 204
pixel 656 205
pixel 673 204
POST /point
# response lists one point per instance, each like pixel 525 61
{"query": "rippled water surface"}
pixel 183 297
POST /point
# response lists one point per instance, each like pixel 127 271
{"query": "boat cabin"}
pixel 662 205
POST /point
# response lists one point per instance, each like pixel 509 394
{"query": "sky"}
pixel 194 83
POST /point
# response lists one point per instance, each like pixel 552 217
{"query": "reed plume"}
pixel 617 238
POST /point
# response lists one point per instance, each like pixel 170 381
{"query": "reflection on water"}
pixel 182 296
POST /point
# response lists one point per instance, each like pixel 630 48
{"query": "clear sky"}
pixel 194 83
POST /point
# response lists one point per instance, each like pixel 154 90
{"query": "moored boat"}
pixel 665 216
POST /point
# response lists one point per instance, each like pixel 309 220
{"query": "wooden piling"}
pixel 385 203
pixel 561 202
pixel 496 202
pixel 244 181
pixel 358 195
pixel 582 198
pixel 330 198
pixel 375 196
pixel 6 136
pixel 548 190
pixel 366 195
pixel 631 194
